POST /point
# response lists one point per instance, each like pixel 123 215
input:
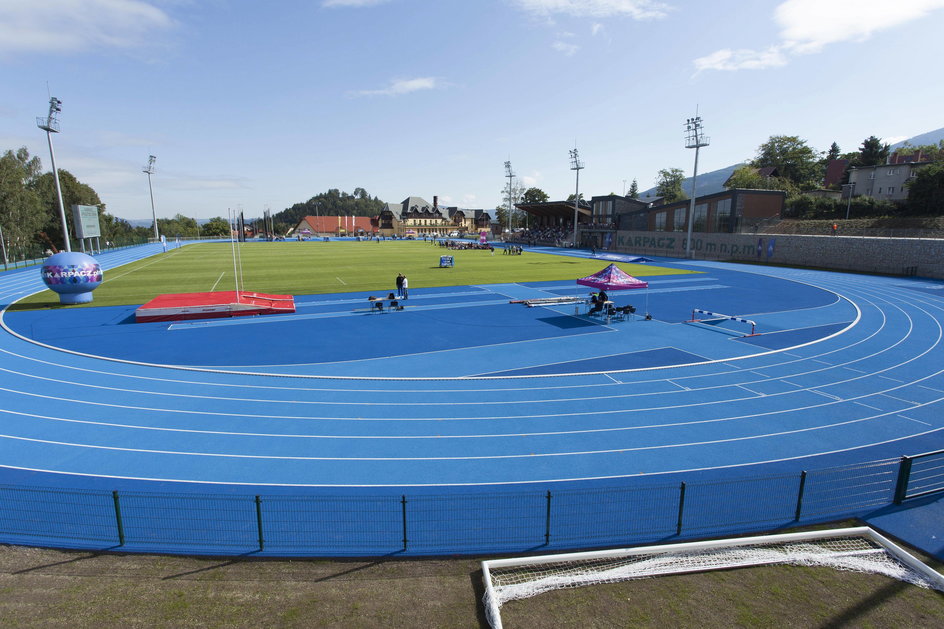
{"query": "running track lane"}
pixel 875 390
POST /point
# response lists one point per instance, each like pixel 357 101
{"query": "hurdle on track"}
pixel 718 315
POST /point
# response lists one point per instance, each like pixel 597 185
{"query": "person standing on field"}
pixel 405 289
pixel 400 285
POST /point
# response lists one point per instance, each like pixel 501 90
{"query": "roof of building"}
pixel 331 224
pixel 555 209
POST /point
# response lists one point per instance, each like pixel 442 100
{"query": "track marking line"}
pixel 890 378
pixel 911 419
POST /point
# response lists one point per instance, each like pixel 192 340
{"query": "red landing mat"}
pixel 214 305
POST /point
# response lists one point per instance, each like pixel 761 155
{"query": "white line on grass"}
pixel 217 281
pixel 340 280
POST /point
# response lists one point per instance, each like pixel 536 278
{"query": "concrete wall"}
pixel 923 257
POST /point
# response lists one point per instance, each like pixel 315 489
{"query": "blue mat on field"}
pixel 291 339
pixel 788 338
pixel 661 357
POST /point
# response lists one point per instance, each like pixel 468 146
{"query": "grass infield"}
pixel 312 267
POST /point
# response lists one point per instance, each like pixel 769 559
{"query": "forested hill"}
pixel 332 203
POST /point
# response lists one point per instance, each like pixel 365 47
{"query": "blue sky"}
pixel 253 105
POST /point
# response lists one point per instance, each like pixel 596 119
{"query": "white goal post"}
pixel 859 549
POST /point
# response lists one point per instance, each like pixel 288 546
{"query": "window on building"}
pixel 700 222
pixel 723 215
pixel 891 189
pixel 660 221
pixel 678 219
pixel 893 171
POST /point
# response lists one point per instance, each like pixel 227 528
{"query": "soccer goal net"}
pixel 857 549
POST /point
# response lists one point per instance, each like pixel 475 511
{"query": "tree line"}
pixel 790 164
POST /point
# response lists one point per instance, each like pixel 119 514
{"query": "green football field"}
pixel 314 267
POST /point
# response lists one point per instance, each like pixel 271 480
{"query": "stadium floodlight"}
pixel 694 139
pixel 511 175
pixel 149 169
pixel 50 124
pixel 576 164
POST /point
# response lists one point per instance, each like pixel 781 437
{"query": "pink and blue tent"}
pixel 612 278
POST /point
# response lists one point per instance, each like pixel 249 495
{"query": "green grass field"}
pixel 307 268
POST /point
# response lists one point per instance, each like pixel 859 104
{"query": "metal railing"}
pixel 435 524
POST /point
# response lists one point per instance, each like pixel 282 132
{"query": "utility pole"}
pixel 576 164
pixel 694 139
pixel 50 124
pixel 149 169
pixel 511 176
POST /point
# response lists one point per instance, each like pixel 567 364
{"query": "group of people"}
pixel 463 245
pixel 513 250
pixel 403 286
pixel 598 301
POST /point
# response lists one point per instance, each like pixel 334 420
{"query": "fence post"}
pixel 403 510
pixel 547 521
pixel 904 474
pixel 259 522
pixel 800 495
pixel 678 528
pixel 121 528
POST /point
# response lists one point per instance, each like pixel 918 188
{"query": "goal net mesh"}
pixel 853 553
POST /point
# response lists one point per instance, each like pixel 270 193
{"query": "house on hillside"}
pixel 886 182
pixel 418 217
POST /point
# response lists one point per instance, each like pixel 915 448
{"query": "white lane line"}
pixel 217 281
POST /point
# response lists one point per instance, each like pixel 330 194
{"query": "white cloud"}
pixel 807 26
pixel 403 86
pixel 565 47
pixel 596 28
pixel 352 3
pixel 67 26
pixel 727 59
pixel 636 9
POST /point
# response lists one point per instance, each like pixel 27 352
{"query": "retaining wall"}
pixel 923 257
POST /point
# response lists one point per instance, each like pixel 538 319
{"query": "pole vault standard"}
pixel 723 316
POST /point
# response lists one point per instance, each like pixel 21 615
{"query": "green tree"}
pixel 669 185
pixel 179 225
pixel 215 227
pixel 74 192
pixel 748 178
pixel 929 152
pixel 21 208
pixel 534 195
pixel 926 191
pixel 872 152
pixel 633 189
pixel 794 160
pixel 833 153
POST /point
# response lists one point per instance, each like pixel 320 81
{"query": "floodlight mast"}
pixel 50 124
pixel 576 164
pixel 694 139
pixel 511 175
pixel 149 169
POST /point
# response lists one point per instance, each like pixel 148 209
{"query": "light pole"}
pixel 576 164
pixel 50 124
pixel 851 190
pixel 694 139
pixel 511 175
pixel 149 169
